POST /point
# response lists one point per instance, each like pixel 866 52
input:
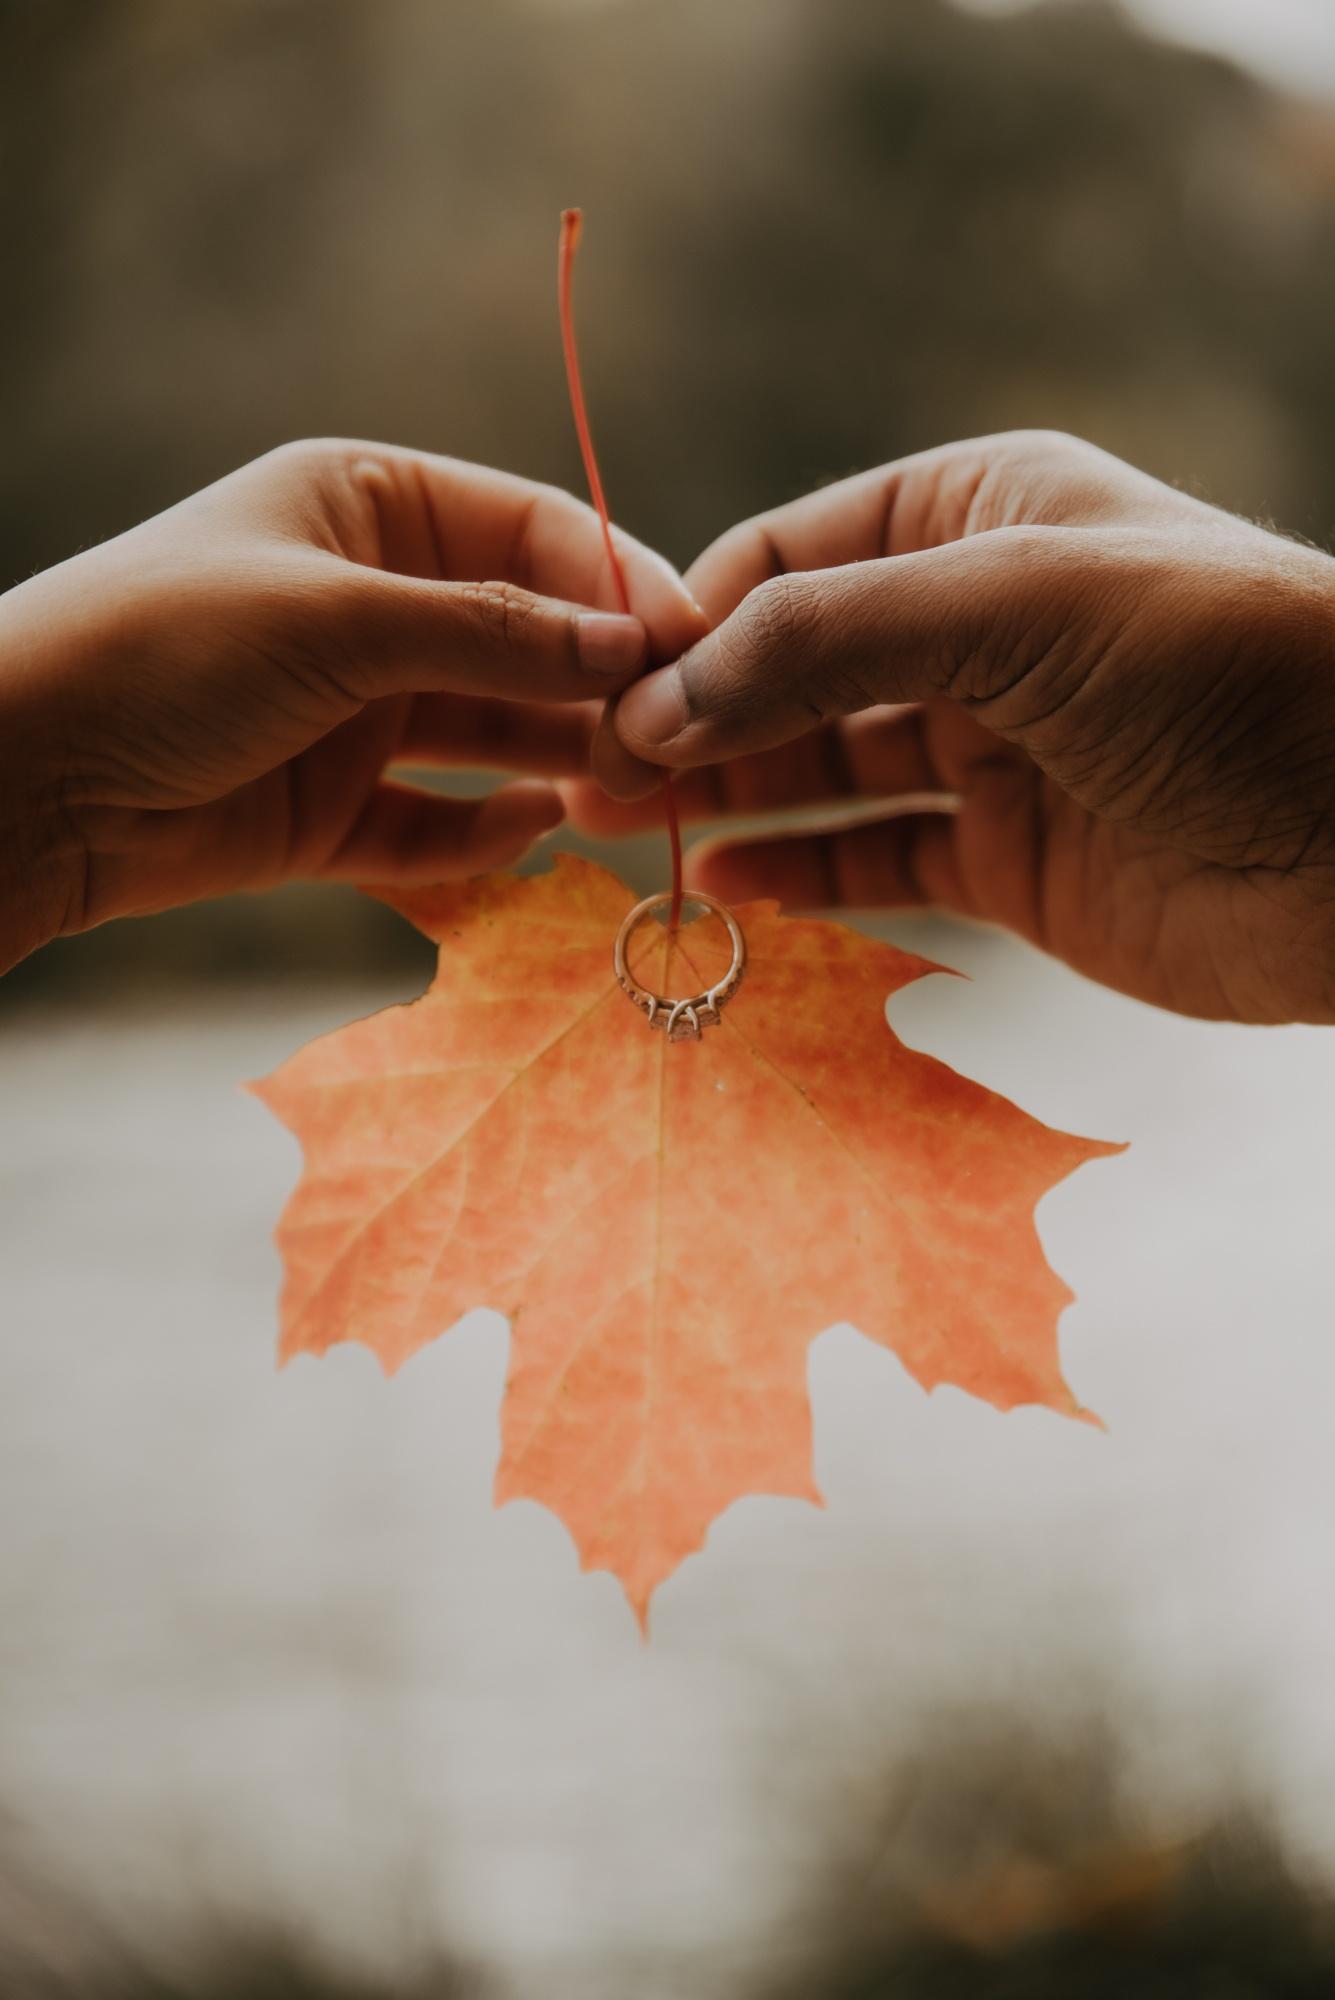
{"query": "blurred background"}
pixel 281 1699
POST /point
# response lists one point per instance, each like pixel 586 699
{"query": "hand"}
pixel 1121 714
pixel 211 701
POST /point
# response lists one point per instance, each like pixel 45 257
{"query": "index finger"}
pixel 1015 479
pixel 903 508
pixel 899 509
pixel 492 526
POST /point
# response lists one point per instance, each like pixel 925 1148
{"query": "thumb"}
pixel 966 620
pixel 389 634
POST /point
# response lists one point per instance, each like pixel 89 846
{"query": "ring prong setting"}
pixel 685 1019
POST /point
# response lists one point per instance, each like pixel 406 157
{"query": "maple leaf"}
pixel 667 1224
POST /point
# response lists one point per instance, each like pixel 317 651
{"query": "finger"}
pixel 911 506
pixel 874 514
pixel 698 796
pixel 566 560
pixel 808 647
pixel 408 836
pixel 279 828
pixel 443 518
pixel 897 510
pixel 620 773
pixel 480 733
pixel 374 634
pixel 902 861
pixel 878 754
pixel 922 502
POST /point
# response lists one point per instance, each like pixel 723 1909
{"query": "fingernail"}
pixel 610 644
pixel 653 711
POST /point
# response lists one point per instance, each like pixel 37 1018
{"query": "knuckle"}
pixel 302 458
pixel 1044 448
pixel 740 539
pixel 321 487
pixel 1012 617
pixel 748 540
pixel 778 644
pixel 769 620
pixel 500 614
pixel 1054 477
pixel 326 638
pixel 748 652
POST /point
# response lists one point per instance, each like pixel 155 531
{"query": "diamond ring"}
pixel 691 1016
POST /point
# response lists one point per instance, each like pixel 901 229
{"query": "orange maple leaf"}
pixel 667 1225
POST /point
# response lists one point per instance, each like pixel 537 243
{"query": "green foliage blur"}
pixel 820 233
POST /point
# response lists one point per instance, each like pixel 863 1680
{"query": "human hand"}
pixel 210 702
pixel 1120 741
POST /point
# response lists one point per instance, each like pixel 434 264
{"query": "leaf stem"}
pixel 572 222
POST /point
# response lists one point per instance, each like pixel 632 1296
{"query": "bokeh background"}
pixel 277 1689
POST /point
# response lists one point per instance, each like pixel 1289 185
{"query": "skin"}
pixel 1057 695
pixel 1091 708
pixel 216 700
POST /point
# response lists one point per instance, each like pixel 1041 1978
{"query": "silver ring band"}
pixel 680 1018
